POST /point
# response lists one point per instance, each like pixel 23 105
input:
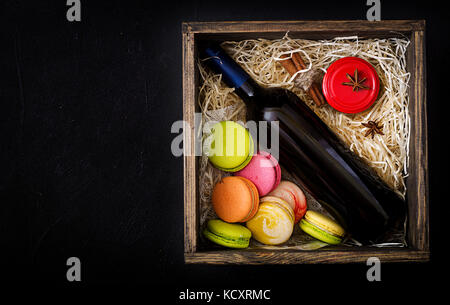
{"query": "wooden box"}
pixel 417 182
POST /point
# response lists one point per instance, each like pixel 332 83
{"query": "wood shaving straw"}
pixel 387 155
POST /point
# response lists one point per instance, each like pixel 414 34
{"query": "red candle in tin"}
pixel 351 85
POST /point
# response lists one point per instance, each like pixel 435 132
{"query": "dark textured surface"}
pixel 85 116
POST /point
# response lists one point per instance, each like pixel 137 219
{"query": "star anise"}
pixel 373 128
pixel 355 82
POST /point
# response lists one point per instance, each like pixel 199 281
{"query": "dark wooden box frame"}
pixel 417 182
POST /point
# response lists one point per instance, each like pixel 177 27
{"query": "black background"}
pixel 86 169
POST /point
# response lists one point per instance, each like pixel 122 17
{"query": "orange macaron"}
pixel 235 199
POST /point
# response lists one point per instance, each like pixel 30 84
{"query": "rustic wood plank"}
pixel 317 35
pixel 418 191
pixel 190 175
pixel 305 257
pixel 304 26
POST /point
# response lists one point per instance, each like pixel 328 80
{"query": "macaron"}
pixel 322 228
pixel 227 234
pixel 293 195
pixel 231 146
pixel 273 224
pixel 235 199
pixel 264 171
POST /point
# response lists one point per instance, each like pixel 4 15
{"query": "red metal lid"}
pixel 338 86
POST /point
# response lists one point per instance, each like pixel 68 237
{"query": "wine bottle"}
pixel 309 150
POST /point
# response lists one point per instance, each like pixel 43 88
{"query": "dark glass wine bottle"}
pixel 309 150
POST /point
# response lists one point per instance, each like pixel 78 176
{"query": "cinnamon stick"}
pixel 298 61
pixel 288 64
pixel 300 65
pixel 292 68
pixel 295 64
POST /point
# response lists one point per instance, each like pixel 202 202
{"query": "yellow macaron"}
pixel 322 227
pixel 230 146
pixel 273 224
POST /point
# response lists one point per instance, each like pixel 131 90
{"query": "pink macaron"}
pixel 293 195
pixel 264 171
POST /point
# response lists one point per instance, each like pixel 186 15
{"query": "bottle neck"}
pixel 232 74
pixel 235 77
pixel 248 90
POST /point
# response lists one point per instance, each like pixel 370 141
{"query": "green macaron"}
pixel 227 234
pixel 322 228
